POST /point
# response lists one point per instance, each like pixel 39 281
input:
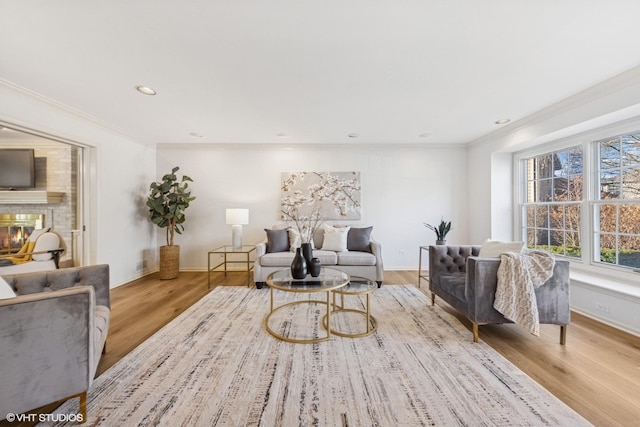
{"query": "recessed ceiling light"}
pixel 502 121
pixel 424 135
pixel 353 135
pixel 195 135
pixel 145 90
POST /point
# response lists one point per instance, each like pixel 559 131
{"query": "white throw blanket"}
pixel 519 275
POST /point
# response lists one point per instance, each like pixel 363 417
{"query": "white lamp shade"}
pixel 237 216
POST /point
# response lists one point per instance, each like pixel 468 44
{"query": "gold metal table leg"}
pixel 368 315
pixel 328 314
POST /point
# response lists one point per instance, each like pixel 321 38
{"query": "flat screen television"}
pixel 17 168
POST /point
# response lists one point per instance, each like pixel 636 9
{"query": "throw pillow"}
pixel 6 291
pixel 277 240
pixel 335 239
pixel 493 248
pixel 358 239
pixel 295 240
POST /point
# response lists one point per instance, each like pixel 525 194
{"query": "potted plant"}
pixel 167 201
pixel 441 231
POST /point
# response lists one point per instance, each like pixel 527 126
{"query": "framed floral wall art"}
pixel 320 195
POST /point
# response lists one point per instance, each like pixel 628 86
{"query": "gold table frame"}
pixel 226 250
pixel 356 286
pixel 329 280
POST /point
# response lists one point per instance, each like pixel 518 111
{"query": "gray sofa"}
pixel 52 335
pixel 362 259
pixel 468 283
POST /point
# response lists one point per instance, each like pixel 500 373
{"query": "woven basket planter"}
pixel 169 261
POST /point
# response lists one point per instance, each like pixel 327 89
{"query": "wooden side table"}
pixel 228 252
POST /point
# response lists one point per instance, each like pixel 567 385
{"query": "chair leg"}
pixel 563 334
pixel 433 298
pixel 83 406
pixel 475 331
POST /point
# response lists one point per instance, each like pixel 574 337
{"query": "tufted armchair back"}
pixel 450 259
pixel 96 276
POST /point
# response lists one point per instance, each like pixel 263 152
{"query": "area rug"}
pixel 215 365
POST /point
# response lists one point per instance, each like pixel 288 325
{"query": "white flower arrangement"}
pixel 329 196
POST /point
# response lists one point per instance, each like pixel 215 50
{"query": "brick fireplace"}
pixel 56 171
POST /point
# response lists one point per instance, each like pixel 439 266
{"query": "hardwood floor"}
pixel 597 373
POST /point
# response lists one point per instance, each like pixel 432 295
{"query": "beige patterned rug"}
pixel 215 365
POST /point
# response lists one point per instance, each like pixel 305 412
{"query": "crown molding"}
pixel 61 108
pixel 616 104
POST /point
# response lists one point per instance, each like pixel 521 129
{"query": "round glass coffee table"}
pixel 357 286
pixel 329 280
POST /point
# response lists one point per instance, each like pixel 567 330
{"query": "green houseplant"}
pixel 441 230
pixel 167 201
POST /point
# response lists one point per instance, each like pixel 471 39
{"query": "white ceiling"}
pixel 245 71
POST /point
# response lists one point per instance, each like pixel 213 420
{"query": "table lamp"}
pixel 236 218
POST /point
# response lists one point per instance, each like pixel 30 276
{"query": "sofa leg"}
pixel 379 282
pixel 563 334
pixel 433 298
pixel 259 285
pixel 475 331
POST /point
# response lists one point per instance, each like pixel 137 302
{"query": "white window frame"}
pixel 591 190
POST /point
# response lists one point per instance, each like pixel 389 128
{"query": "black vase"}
pixel 314 267
pixel 299 265
pixel 307 252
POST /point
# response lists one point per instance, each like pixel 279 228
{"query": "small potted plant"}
pixel 441 231
pixel 167 202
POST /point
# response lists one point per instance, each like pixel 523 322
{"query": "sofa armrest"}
pixel 261 249
pixel 46 347
pixel 480 290
pixel 376 250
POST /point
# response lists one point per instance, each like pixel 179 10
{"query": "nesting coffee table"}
pixel 357 286
pixel 337 285
pixel 330 279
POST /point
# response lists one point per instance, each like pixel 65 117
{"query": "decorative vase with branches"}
pixel 441 230
pixel 306 225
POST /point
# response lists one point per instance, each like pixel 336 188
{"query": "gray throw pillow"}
pixel 277 240
pixel 358 239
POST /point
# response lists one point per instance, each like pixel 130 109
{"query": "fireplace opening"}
pixel 15 230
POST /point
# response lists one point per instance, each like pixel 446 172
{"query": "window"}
pixel 586 210
pixel 617 209
pixel 552 209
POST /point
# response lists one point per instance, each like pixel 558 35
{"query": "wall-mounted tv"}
pixel 17 168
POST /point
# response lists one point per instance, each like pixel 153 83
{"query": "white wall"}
pixel 402 187
pixel 121 172
pixel 614 101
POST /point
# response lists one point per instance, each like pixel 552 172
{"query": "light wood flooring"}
pixel 597 373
